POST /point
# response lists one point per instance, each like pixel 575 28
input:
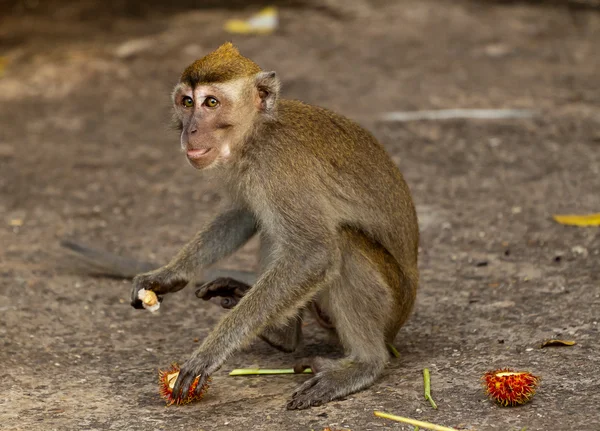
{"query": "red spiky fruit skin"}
pixel 509 387
pixel 165 377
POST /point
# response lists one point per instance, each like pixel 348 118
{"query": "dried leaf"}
pixel 578 220
pixel 263 22
pixel 3 64
pixel 557 343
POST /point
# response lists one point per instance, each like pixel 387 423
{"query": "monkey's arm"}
pixel 307 259
pixel 221 237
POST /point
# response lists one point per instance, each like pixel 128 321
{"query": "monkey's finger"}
pixel 135 301
pixel 182 385
pixel 201 381
pixel 229 302
pixel 241 290
pixel 202 292
pixel 213 290
pixel 137 305
pixel 217 287
pixel 169 286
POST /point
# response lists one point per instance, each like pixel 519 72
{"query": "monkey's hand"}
pixel 229 289
pixel 198 365
pixel 160 281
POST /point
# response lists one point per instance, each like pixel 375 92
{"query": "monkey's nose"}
pixel 192 131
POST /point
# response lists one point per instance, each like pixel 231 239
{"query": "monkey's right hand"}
pixel 160 281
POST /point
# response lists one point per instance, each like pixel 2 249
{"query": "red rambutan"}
pixel 167 379
pixel 509 387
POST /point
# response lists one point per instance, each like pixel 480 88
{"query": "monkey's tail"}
pixel 103 263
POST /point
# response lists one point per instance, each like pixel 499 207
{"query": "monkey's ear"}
pixel 268 86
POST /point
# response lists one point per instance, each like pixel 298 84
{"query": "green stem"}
pixel 261 371
pixel 427 381
pixel 393 350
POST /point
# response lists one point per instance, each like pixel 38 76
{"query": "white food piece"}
pixel 142 297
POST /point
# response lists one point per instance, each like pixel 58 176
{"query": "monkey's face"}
pixel 214 118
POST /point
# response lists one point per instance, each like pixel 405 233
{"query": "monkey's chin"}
pixel 204 161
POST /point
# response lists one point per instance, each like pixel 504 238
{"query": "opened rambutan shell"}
pixel 167 379
pixel 509 387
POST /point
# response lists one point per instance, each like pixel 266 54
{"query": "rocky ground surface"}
pixel 86 152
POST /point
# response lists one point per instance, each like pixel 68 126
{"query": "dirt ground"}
pixel 86 152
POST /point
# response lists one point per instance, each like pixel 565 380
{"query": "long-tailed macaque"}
pixel 335 217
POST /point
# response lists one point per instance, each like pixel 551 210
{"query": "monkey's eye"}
pixel 187 101
pixel 211 102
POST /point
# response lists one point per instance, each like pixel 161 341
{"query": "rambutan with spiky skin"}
pixel 166 381
pixel 509 387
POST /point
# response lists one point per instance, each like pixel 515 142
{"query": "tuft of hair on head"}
pixel 223 64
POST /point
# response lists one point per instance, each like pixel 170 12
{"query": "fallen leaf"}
pixel 263 22
pixel 16 222
pixel 557 343
pixel 578 220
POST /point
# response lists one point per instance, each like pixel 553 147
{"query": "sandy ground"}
pixel 86 152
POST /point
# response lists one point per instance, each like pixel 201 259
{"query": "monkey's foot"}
pixel 333 380
pixel 230 290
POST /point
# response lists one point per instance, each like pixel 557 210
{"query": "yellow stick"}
pixel 414 422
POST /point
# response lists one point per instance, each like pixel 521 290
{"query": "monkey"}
pixel 335 217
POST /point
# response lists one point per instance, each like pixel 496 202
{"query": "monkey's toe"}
pixel 314 392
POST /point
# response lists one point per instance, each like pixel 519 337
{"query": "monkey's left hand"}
pixel 197 365
pixel 230 290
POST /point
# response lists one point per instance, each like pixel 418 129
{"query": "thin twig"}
pixel 261 371
pixel 427 381
pixel 451 114
pixel 414 422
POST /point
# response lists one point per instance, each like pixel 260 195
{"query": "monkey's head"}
pixel 218 101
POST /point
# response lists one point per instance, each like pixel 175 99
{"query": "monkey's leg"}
pixel 286 335
pixel 361 304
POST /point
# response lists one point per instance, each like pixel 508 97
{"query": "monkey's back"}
pixel 343 163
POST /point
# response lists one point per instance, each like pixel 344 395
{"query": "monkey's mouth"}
pixel 198 153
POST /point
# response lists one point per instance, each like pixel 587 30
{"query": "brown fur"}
pixel 336 220
pixel 222 65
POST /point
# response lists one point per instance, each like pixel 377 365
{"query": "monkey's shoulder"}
pixel 315 122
